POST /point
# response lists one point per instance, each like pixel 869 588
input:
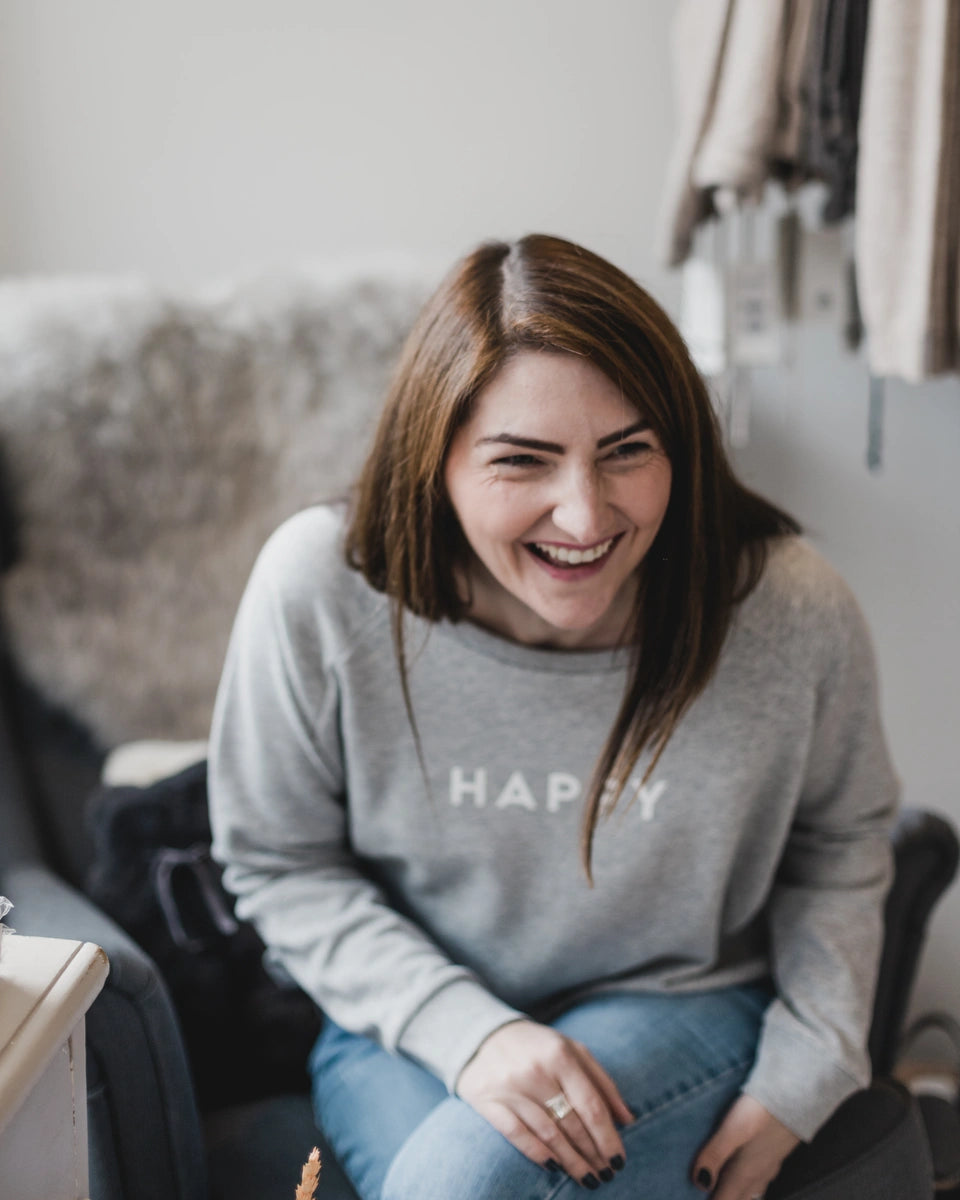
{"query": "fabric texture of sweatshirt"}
pixel 427 911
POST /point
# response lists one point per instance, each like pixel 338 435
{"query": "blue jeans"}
pixel 679 1062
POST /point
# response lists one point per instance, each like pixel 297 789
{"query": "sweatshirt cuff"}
pixel 448 1029
pixel 797 1084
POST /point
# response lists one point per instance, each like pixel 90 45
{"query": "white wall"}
pixel 195 136
pixel 199 138
pixel 895 535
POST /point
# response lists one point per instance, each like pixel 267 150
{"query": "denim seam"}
pixel 685 1094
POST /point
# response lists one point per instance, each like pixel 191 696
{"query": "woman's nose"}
pixel 581 510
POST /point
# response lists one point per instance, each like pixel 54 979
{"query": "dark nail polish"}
pixel 704 1178
pixel 606 1174
pixel 591 1182
pixel 551 1165
pixel 617 1162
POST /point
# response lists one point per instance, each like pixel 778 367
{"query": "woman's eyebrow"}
pixel 622 434
pixel 511 439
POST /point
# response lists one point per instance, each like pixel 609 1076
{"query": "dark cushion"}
pixel 256 1151
pixel 872 1148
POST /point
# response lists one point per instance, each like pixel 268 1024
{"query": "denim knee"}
pixel 455 1153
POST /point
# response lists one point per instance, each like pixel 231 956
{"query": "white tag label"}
pixel 822 279
pixel 754 315
pixel 703 321
pixel 738 427
pixel 732 402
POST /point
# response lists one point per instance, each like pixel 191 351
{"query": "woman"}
pixel 552 614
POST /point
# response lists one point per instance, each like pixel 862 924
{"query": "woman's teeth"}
pixel 561 554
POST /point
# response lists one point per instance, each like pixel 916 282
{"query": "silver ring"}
pixel 558 1106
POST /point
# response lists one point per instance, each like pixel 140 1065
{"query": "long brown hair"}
pixel 545 293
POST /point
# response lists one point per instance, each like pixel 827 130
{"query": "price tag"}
pixel 703 320
pixel 755 324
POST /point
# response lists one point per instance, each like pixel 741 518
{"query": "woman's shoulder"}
pixel 303 569
pixel 312 533
pixel 798 576
pixel 802 607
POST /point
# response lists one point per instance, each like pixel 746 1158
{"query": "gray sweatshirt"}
pixel 428 912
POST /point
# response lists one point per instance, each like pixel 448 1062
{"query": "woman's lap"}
pixel 367 1102
pixel 679 1062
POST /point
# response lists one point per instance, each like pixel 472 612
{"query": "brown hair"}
pixel 545 293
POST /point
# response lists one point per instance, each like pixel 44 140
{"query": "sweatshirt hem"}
pixel 448 1028
pixel 785 1058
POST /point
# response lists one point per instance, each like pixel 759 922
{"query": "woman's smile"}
pixel 560 487
pixel 573 562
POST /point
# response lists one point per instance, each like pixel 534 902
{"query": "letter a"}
pixel 516 792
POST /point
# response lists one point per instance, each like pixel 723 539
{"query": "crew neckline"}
pixel 542 658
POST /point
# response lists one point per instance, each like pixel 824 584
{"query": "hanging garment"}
pixel 734 151
pixel 699 35
pixel 787 158
pixel 727 69
pixel 944 342
pixel 908 188
pixel 834 83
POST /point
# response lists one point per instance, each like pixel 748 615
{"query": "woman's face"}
pixel 560 488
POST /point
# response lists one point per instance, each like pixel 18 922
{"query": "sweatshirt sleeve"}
pixel 826 908
pixel 280 824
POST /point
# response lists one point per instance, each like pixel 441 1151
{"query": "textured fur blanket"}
pixel 150 443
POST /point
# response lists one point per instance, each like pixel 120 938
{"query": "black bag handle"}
pixel 170 863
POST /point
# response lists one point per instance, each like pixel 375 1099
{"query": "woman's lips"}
pixel 562 568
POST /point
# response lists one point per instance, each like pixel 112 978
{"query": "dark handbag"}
pixel 247 1030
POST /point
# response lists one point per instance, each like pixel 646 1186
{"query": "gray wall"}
pixel 201 138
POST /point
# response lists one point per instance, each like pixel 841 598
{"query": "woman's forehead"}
pixel 541 373
pixel 548 381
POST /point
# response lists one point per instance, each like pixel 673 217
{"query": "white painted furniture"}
pixel 46 987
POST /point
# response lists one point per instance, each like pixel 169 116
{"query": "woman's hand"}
pixel 745 1153
pixel 522 1065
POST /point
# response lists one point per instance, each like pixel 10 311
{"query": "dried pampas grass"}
pixel 309 1177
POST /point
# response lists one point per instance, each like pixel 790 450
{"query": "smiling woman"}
pixel 550 609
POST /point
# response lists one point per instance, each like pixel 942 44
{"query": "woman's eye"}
pixel 517 460
pixel 627 450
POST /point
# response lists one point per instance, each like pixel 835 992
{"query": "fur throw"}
pixel 150 443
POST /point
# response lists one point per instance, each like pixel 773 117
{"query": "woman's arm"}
pixel 280 820
pixel 825 920
pixel 825 913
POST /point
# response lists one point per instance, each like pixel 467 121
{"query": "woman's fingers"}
pixel 525 1125
pixel 590 1126
pixel 568 1142
pixel 744 1154
pixel 521 1067
pixel 618 1107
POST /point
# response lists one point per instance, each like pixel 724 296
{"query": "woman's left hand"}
pixel 745 1153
